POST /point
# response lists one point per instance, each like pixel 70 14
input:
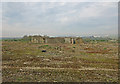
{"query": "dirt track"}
pixel 21 68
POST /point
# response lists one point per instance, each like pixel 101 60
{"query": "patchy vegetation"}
pixel 89 62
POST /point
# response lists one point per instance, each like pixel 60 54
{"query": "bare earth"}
pixel 90 62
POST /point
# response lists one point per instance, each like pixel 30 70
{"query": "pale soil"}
pixel 84 68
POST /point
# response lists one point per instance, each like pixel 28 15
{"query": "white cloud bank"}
pixel 55 19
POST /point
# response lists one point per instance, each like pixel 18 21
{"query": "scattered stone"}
pixel 38 56
pixel 21 69
pixel 26 63
pixel 60 51
pixel 46 59
pixel 42 56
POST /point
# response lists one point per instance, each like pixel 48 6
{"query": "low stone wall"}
pixel 55 40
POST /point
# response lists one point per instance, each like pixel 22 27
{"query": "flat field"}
pixel 88 62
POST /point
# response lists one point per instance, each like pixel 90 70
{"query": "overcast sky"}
pixel 59 19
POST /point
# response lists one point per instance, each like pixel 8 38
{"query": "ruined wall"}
pixel 67 40
pixel 55 40
pixel 73 41
pixel 42 39
pixel 37 40
pixel 70 40
pixel 34 40
pixel 78 40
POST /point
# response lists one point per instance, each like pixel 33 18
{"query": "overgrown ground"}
pixel 90 62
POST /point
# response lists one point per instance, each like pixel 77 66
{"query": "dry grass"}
pixel 70 57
